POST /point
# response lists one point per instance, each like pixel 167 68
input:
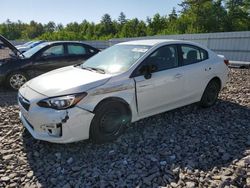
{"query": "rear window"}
pixel 76 50
pixel 192 54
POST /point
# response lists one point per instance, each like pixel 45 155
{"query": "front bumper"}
pixel 52 128
pixel 57 126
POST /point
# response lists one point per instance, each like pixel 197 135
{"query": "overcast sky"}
pixel 65 11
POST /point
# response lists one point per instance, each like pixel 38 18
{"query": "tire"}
pixel 110 120
pixel 15 80
pixel 210 94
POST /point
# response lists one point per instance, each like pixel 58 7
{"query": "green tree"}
pixel 50 27
pixel 156 25
pixel 202 16
pixel 237 15
pixel 173 15
pixel 106 26
pixel 134 28
pixel 73 27
pixel 122 18
pixel 59 27
pixel 10 30
pixel 33 30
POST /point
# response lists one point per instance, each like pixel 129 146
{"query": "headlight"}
pixel 62 102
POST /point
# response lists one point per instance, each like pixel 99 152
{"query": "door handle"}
pixel 208 69
pixel 178 76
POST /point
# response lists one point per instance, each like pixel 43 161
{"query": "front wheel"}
pixel 16 80
pixel 210 94
pixel 110 120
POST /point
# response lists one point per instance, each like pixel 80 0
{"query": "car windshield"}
pixel 116 59
pixel 32 51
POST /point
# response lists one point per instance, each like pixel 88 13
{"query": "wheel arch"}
pixel 10 73
pixel 111 99
pixel 115 99
pixel 218 80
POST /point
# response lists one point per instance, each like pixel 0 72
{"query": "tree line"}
pixel 195 16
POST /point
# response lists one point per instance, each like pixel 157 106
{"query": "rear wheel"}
pixel 16 80
pixel 110 120
pixel 210 94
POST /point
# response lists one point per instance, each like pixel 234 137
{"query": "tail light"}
pixel 226 61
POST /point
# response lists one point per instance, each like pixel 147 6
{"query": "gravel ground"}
pixel 187 147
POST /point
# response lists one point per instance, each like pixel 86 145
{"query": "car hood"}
pixel 9 45
pixel 67 80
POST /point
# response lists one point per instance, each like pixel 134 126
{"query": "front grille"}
pixel 24 102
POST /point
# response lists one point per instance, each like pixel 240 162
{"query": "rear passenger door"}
pixel 195 71
pixel 77 53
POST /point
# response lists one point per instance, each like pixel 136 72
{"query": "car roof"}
pixel 155 42
pixel 69 42
pixel 59 42
pixel 149 42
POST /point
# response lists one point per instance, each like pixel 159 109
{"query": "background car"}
pixel 29 45
pixel 16 67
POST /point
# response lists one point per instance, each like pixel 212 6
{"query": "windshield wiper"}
pixel 102 71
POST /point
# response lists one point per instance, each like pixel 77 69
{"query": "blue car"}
pixel 25 47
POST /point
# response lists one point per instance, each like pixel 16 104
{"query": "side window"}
pixel 76 50
pixel 164 58
pixel 204 54
pixel 191 54
pixel 54 51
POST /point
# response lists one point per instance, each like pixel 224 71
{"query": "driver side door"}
pixel 163 90
pixel 49 59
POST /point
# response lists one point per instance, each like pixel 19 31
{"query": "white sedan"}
pixel 124 83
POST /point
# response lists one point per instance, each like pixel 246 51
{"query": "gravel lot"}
pixel 187 147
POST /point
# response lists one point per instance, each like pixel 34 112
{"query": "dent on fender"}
pixel 112 89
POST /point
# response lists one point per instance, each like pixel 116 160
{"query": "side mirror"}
pixel 41 57
pixel 147 70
